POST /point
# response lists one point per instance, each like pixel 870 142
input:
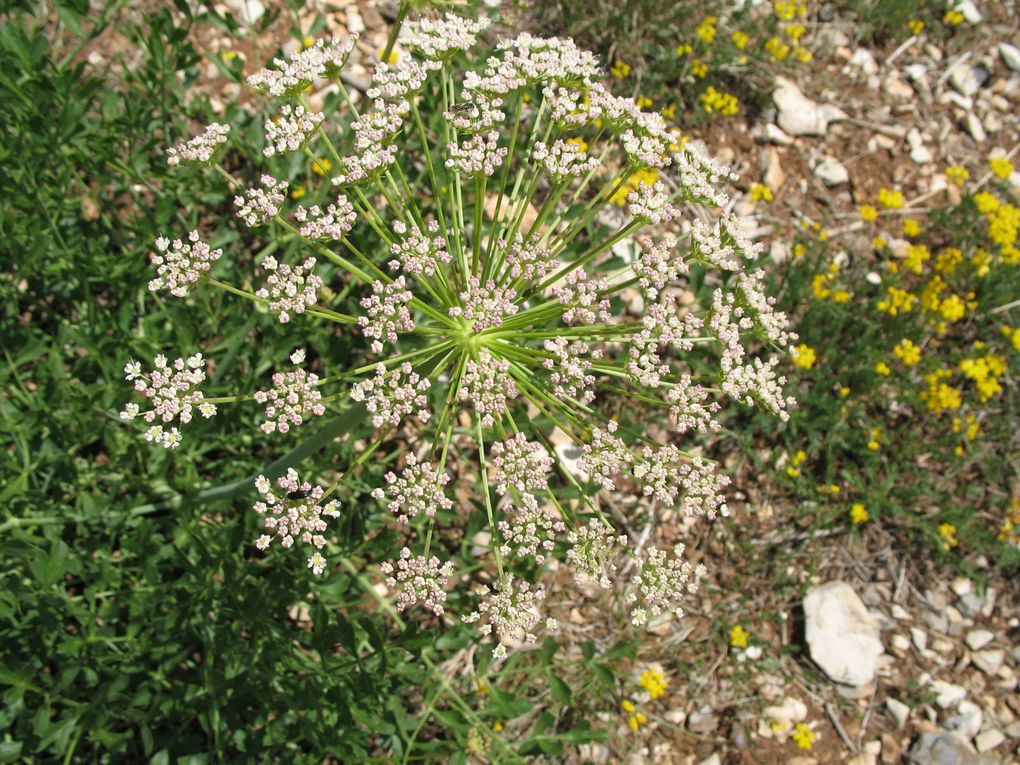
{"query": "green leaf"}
pixel 559 690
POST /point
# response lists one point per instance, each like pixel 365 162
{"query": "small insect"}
pixel 300 494
pixel 461 108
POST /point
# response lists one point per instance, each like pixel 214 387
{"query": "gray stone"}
pixel 899 711
pixel 798 114
pixel 1010 56
pixel 831 172
pixel 967 721
pixel 970 604
pixel 943 748
pixel 948 695
pixel 842 635
pixel 978 639
pixel 968 79
pixel 703 722
pixel 970 12
pixel 988 740
pixel 974 128
pixel 988 661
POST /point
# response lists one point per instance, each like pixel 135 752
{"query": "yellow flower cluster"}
pixel 620 69
pixel 707 29
pixel 875 442
pixel 916 26
pixel 1013 333
pixel 822 286
pixel 1000 167
pixel 947 532
pixel 793 469
pixel 713 100
pixel 948 260
pixel 899 301
pixel 907 352
pixel 635 719
pixel 739 636
pixel 1009 531
pixel 939 396
pixel 917 256
pixel 788 10
pixel 804 736
pixel 984 372
pixel 655 682
pixel 957 174
pixel 868 213
pixel 804 356
pixel 858 514
pixel 761 193
pixel 889 199
pixel 954 18
pixel 973 426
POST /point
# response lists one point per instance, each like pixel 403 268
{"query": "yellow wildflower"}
pixel 1013 334
pixel 699 68
pixel 952 308
pixel 911 227
pixel 321 166
pixel 907 352
pixel 844 391
pixel 879 243
pixel 620 69
pixel 798 250
pixel 298 191
pixel 948 533
pixel 643 102
pixel 804 356
pixel 228 55
pixel 948 260
pixel 308 41
pixel 954 18
pixel 761 193
pixel 897 302
pixel 738 637
pixel 635 719
pixel 916 26
pixel 684 50
pixel 986 202
pixel 858 514
pixel 655 682
pixel 883 369
pixel 804 736
pixel 868 213
pixel 740 39
pixel 777 49
pixel 803 55
pixel 668 112
pixel 788 10
pixel 793 469
pixel 938 396
pixel 957 174
pixel 876 439
pixel 706 29
pixel 1000 167
pixel 889 199
pixel 840 296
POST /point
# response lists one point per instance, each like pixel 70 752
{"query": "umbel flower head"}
pixel 495 312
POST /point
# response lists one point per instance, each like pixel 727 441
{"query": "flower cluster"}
pixel 293 514
pixel 292 398
pixel 202 148
pixel 171 387
pixel 289 290
pixel 179 265
pixel 494 295
pixel 420 579
pixel 418 489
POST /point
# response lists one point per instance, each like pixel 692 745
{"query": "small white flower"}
pixel 132 370
pixel 154 433
pixel 130 411
pixel 298 356
pixel 207 410
pixel 317 564
pixel 263 541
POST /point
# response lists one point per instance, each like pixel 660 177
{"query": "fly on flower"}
pixel 487 298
